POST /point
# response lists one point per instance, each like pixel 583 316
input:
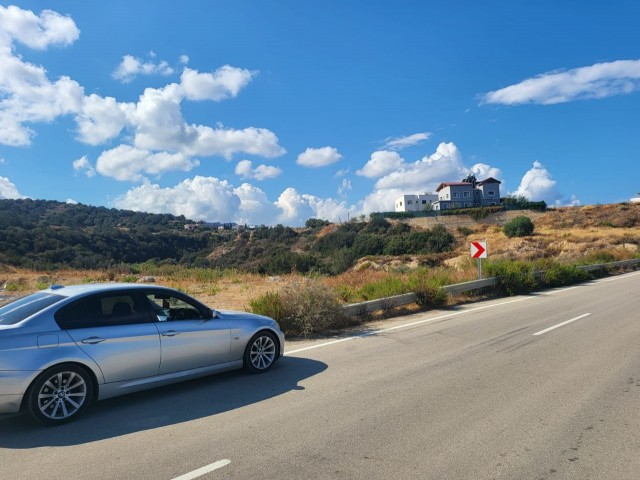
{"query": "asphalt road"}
pixel 482 391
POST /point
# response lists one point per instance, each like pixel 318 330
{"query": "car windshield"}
pixel 24 307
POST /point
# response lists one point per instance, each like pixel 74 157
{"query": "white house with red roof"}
pixel 465 194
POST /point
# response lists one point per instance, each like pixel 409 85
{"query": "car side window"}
pixel 168 308
pixel 100 311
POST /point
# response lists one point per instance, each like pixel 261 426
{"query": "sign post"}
pixel 479 251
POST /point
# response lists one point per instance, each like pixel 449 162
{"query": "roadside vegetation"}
pixel 304 276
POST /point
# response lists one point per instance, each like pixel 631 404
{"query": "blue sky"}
pixel 275 112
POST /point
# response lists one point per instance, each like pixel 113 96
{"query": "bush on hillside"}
pixel 518 227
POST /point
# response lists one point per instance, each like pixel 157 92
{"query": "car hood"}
pixel 232 315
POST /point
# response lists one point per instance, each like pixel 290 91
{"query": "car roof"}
pixel 80 290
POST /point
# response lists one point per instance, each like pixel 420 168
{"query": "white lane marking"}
pixel 561 324
pixel 398 327
pixel 206 469
pixel 620 277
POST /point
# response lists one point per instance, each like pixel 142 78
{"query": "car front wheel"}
pixel 261 352
pixel 60 394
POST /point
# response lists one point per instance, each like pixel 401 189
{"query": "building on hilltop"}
pixel 636 199
pixel 415 203
pixel 468 193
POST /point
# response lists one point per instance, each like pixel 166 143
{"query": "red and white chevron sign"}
pixel 478 249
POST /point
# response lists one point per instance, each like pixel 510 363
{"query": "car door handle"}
pixel 92 340
pixel 170 333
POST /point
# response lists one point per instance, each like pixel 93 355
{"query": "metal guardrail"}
pixel 606 266
pixel 409 298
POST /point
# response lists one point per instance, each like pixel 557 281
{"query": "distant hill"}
pixel 47 234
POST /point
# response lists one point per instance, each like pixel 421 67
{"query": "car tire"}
pixel 59 395
pixel 261 352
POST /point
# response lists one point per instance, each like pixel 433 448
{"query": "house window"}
pixel 492 203
pixel 466 194
pixel 409 202
pixel 456 205
pixel 424 202
pixel 447 196
pixel 456 194
pixel 467 204
pixel 400 203
pixel 491 193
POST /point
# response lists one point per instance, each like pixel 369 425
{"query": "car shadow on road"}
pixel 162 406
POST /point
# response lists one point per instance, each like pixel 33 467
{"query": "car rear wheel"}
pixel 60 394
pixel 261 352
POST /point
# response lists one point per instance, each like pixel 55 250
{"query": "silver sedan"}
pixel 64 347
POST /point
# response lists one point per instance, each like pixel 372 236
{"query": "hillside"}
pixel 577 234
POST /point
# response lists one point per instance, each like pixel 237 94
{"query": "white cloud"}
pixel 297 208
pixel 399 143
pixel 200 198
pixel 341 173
pixel 596 81
pixel 83 165
pixel 225 82
pixel 184 59
pixel 318 157
pixel 537 185
pixel 129 163
pixel 425 174
pixel 381 163
pixel 155 122
pixel 71 201
pixel 211 199
pixel 344 188
pixel 245 169
pixel 9 190
pixel 36 31
pixel 381 200
pixel 101 119
pixel 131 67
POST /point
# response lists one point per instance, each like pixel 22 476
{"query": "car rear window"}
pixel 24 307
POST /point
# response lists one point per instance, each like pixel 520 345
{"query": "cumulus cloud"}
pixel 381 163
pixel 71 201
pixel 398 143
pixel 225 82
pixel 318 157
pixel 537 185
pixel 212 199
pixel 245 169
pixel 130 67
pixel 8 190
pixel 155 123
pixel 83 165
pixel 297 208
pixel 36 31
pixel 596 81
pixel 129 163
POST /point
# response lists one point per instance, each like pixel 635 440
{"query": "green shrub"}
pixel 270 304
pixel 518 227
pixel 557 275
pixel 431 296
pixel 514 277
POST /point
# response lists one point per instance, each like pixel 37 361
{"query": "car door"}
pixel 115 330
pixel 189 337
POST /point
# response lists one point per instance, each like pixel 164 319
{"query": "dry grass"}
pixel 573 234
